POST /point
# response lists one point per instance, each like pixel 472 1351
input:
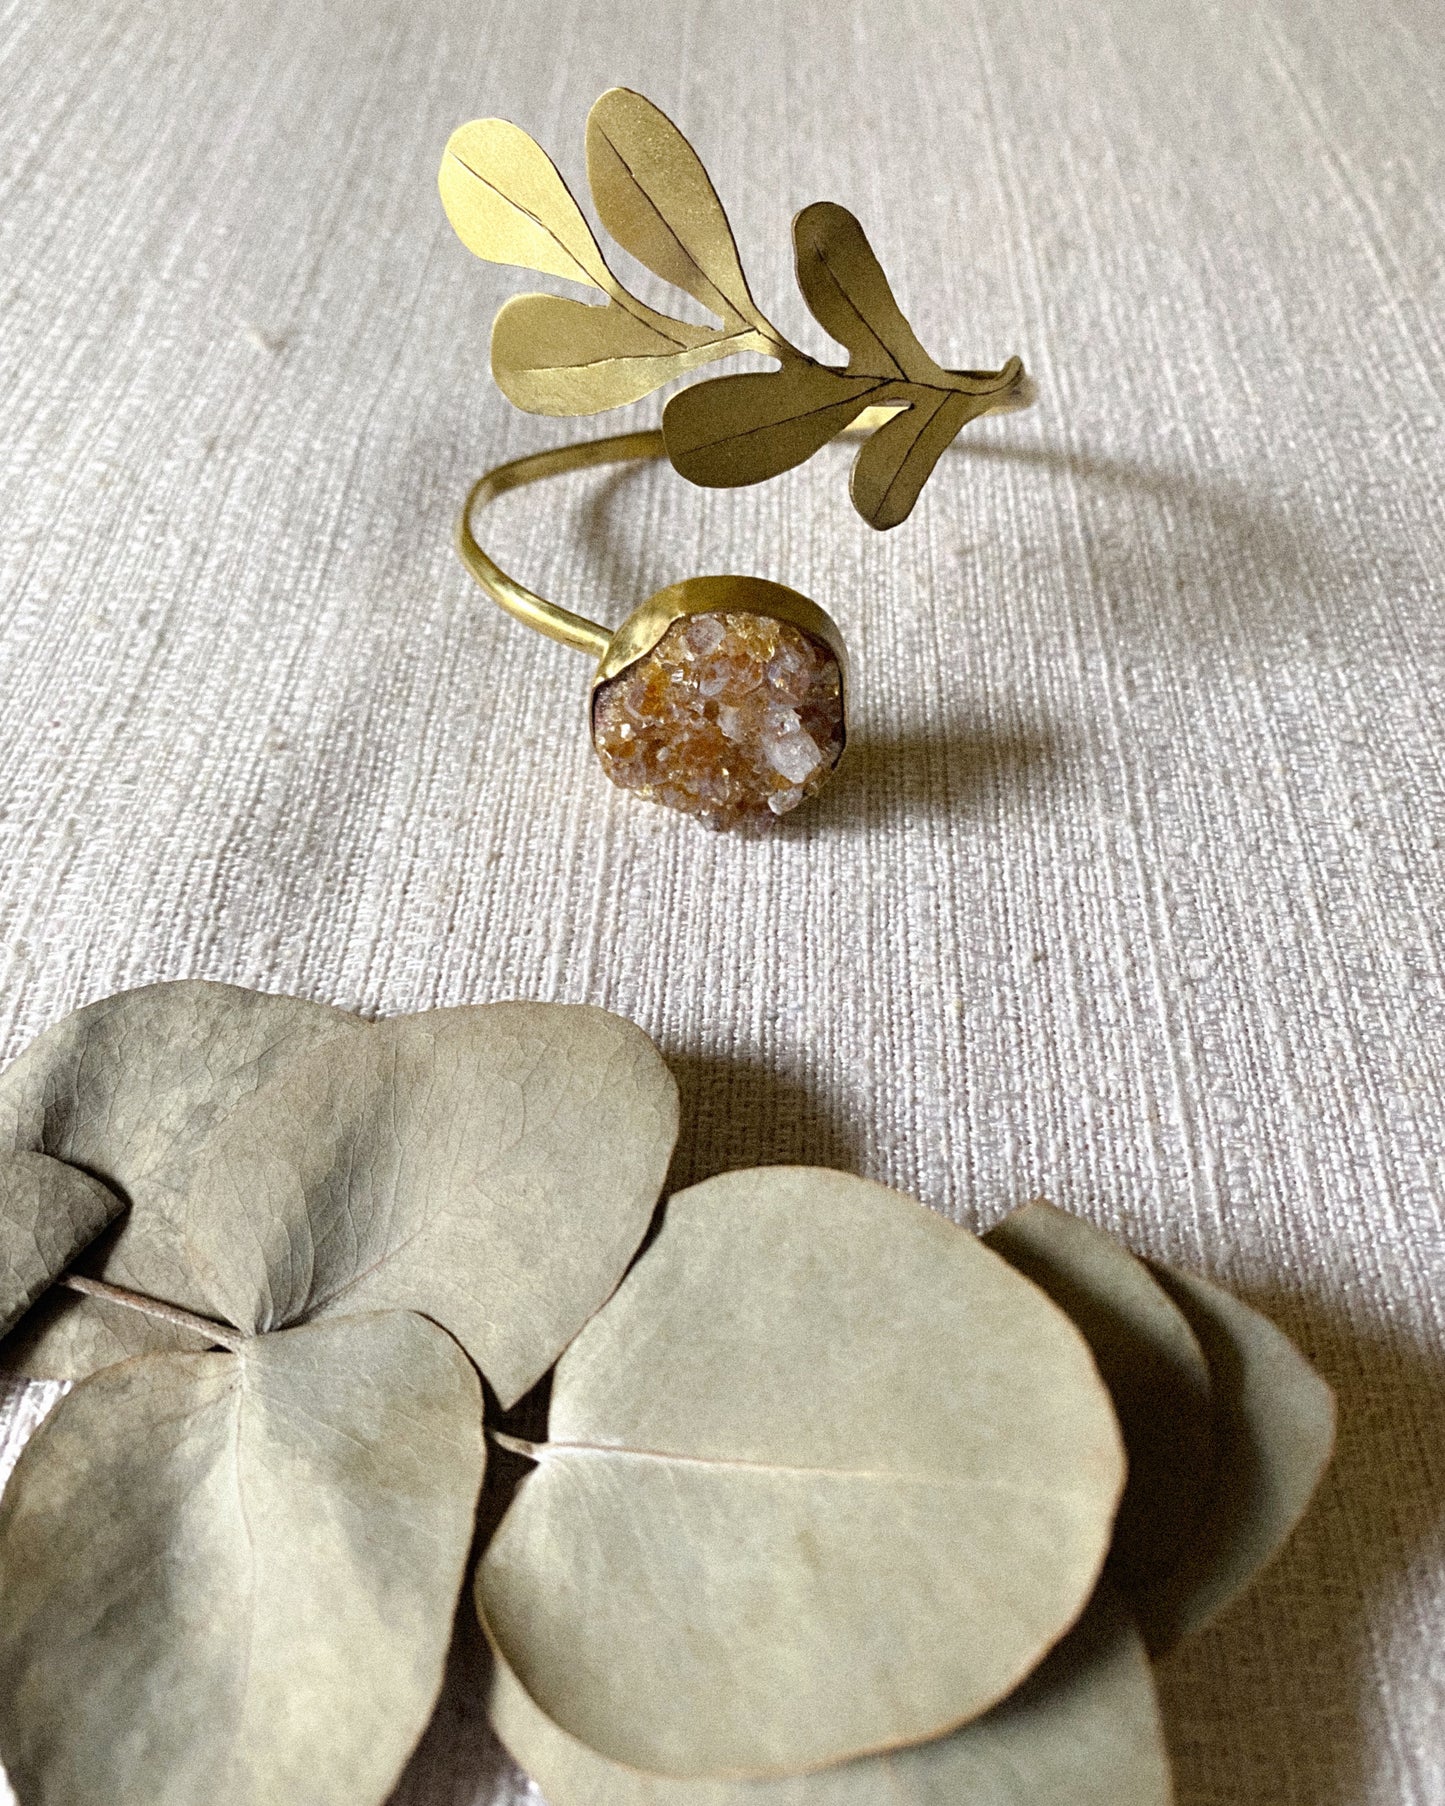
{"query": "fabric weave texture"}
pixel 1129 890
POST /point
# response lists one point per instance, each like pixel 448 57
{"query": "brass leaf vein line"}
pixel 769 426
pixel 899 372
pixel 621 296
pixel 725 308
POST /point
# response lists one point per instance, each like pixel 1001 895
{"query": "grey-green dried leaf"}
pixel 49 1212
pixel 508 204
pixel 1154 1368
pixel 131 1087
pixel 250 1596
pixel 656 199
pixel 494 1167
pixel 848 294
pixel 825 1476
pixel 733 430
pixel 554 355
pixel 1275 1424
pixel 1083 1730
pixel 66 1336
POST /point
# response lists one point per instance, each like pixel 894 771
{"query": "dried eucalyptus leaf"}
pixel 493 1166
pixel 848 295
pixel 656 199
pixel 553 355
pixel 251 1594
pixel 65 1337
pixel 826 1476
pixel 49 1212
pixel 1275 1424
pixel 130 1088
pixel 732 430
pixel 1155 1371
pixel 508 204
pixel 1083 1730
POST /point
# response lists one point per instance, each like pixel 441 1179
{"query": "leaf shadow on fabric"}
pixel 738 1112
pixel 1272 1703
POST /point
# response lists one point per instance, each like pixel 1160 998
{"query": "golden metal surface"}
pixel 555 355
pixel 616 648
pixel 526 605
pixel 645 626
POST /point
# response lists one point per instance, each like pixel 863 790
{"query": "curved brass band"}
pixel 526 605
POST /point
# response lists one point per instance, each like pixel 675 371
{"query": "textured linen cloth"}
pixel 1130 889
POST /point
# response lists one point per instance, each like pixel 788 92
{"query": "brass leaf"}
pixel 848 295
pixel 656 199
pixel 553 355
pixel 892 467
pixel 507 203
pixel 744 429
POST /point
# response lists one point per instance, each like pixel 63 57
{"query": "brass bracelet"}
pixel 722 696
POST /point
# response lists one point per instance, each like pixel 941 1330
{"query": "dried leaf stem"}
pixel 219 1333
pixel 517 1445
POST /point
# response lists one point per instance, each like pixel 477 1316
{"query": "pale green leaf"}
pixel 1083 1730
pixel 493 1166
pixel 552 355
pixel 825 1476
pixel 251 1597
pixel 507 203
pixel 1275 1423
pixel 65 1337
pixel 49 1212
pixel 733 430
pixel 656 199
pixel 1155 1371
pixel 130 1088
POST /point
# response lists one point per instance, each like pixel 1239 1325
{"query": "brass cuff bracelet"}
pixel 720 696
pixel 724 697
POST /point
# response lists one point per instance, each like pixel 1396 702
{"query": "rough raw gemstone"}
pixel 730 718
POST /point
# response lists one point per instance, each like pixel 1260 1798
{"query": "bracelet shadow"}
pixel 957 771
pixel 1161 555
pixel 1202 557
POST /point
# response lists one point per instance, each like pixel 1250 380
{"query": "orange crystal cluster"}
pixel 730 718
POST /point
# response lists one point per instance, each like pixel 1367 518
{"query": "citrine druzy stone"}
pixel 731 718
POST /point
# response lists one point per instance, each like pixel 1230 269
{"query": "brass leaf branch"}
pixel 555 355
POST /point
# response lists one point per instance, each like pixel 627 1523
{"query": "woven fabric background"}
pixel 1131 889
